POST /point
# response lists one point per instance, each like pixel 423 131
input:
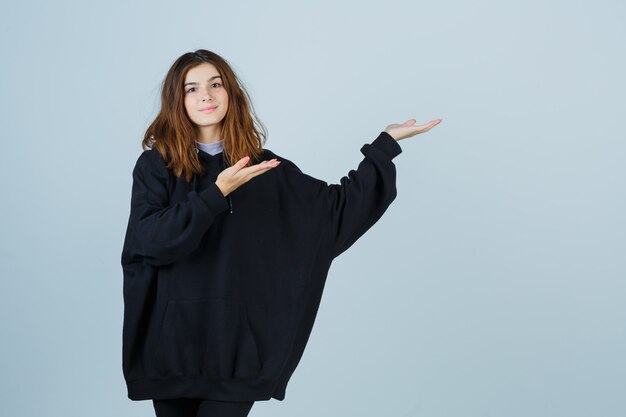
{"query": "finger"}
pixel 428 125
pixel 239 165
pixel 242 162
pixel 416 130
pixel 433 123
pixel 260 170
pixel 265 165
pixel 266 168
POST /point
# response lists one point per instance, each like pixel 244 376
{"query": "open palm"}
pixel 408 128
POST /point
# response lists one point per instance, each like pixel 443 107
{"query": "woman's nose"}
pixel 206 95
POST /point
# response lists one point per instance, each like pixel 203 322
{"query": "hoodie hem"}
pixel 199 387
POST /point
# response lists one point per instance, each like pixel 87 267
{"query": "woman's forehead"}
pixel 200 73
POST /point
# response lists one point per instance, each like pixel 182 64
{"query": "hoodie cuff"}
pixel 214 199
pixel 386 143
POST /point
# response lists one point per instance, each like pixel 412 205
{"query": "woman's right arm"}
pixel 163 232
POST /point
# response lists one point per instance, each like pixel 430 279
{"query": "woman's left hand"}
pixel 408 129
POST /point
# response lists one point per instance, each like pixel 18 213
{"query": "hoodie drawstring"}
pixel 230 199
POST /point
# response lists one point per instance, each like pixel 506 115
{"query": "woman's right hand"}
pixel 235 176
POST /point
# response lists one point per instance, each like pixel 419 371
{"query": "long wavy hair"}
pixel 173 134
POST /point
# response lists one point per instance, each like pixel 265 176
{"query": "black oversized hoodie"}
pixel 221 293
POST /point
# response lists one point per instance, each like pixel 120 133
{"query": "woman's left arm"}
pixel 364 195
pixel 355 204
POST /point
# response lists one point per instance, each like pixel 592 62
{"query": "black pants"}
pixel 191 407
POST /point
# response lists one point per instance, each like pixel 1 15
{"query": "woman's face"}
pixel 203 89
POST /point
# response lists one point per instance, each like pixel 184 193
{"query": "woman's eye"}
pixel 193 88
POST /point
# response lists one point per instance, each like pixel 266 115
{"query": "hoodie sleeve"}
pixel 163 233
pixel 359 200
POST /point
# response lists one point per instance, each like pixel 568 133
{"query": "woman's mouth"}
pixel 207 109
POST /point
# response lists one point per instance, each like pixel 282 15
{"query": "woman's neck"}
pixel 207 141
pixel 209 134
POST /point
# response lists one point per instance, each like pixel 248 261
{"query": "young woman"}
pixel 228 246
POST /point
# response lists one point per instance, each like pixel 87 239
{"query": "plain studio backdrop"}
pixel 494 285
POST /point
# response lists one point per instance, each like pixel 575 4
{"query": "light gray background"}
pixel 493 286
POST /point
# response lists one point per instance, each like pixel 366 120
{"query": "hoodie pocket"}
pixel 208 337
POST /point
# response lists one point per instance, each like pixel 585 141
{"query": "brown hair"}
pixel 173 134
